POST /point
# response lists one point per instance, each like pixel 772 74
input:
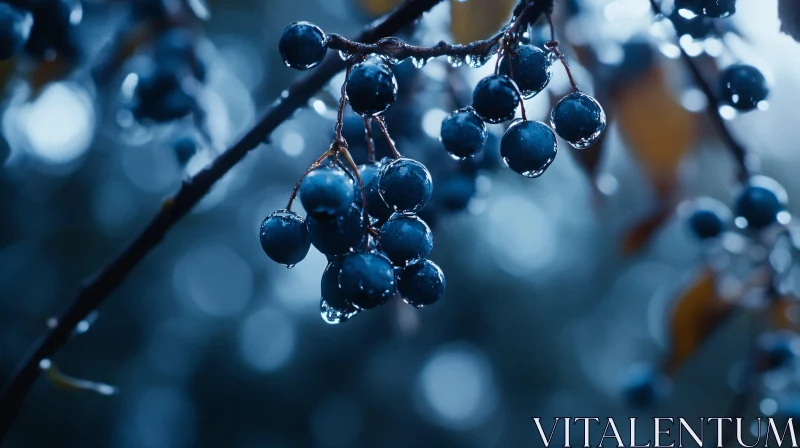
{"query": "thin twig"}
pixel 552 45
pixel 368 136
pixel 176 207
pixel 382 125
pixel 713 104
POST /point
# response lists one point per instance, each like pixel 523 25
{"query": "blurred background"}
pixel 557 287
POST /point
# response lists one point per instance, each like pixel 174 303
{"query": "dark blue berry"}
pixel 404 238
pixel 777 349
pixel 326 192
pixel 15 29
pixel 743 86
pixel 371 87
pixel 645 389
pixel 528 147
pixel 495 99
pixel 709 218
pixel 161 96
pixel 336 306
pixel 367 279
pixel 285 237
pixel 185 147
pixel 529 67
pixel 454 192
pixel 421 283
pixel 693 6
pixel 759 203
pixel 463 133
pixel 578 119
pixel 370 177
pixel 405 185
pixel 340 235
pixel 54 28
pixel 303 45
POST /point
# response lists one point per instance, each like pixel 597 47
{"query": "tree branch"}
pixel 176 207
pixel 737 150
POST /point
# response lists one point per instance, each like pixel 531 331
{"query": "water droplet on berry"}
pixel 332 315
pixel 344 55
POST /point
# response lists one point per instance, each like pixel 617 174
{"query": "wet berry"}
pixel 759 203
pixel 421 283
pixel 495 99
pixel 709 218
pixel 326 192
pixel 528 147
pixel 463 133
pixel 405 185
pixel 303 45
pixel 54 28
pixel 370 176
pixel 743 86
pixel 367 279
pixel 334 306
pixel 162 96
pixel 371 87
pixel 285 237
pixel 529 67
pixel 339 235
pixel 404 238
pixel 579 119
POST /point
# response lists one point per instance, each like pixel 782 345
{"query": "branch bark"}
pixel 176 207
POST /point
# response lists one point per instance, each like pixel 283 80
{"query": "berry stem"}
pixel 368 132
pixel 353 165
pixel 342 103
pixel 552 45
pixel 382 125
pixel 313 166
pixel 736 148
pixel 111 276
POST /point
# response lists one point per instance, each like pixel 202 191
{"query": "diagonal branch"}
pixel 737 150
pixel 176 207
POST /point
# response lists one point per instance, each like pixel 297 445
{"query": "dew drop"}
pixel 344 55
pixel 455 61
pixel 419 62
pixel 332 315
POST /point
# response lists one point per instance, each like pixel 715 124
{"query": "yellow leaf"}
pixel 698 312
pixel 378 7
pixel 658 129
pixel 478 19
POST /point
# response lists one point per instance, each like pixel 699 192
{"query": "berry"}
pixel 578 119
pixel 161 96
pixel 645 388
pixel 405 185
pixel 693 6
pixel 15 29
pixel 326 192
pixel 777 349
pixel 285 237
pixel 340 235
pixel 495 98
pixel 463 133
pixel 528 147
pixel 370 175
pixel 334 306
pixel 529 67
pixel 367 279
pixel 743 87
pixel 760 202
pixel 404 238
pixel 176 49
pixel 421 283
pixel 54 25
pixel 371 87
pixel 709 219
pixel 185 147
pixel 303 45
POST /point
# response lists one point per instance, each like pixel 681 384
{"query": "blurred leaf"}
pixel 67 382
pixel 641 233
pixel 698 312
pixel 789 14
pixel 378 7
pixel 657 128
pixel 478 19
